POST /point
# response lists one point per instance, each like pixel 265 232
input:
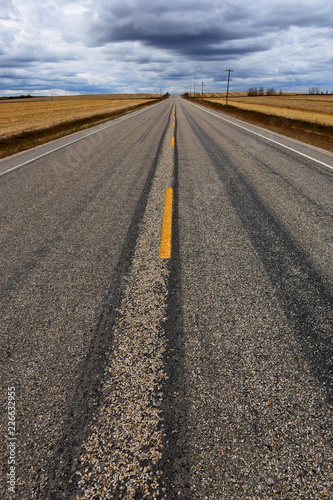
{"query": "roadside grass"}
pixel 313 109
pixel 29 123
pixel 314 132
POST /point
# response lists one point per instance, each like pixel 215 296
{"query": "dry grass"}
pixel 310 108
pixel 28 115
pixel 315 111
pixel 29 122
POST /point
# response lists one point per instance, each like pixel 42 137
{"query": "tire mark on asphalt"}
pixel 122 456
pixel 300 289
pixel 67 215
pixel 176 469
pixel 236 123
pixel 307 165
pixel 59 480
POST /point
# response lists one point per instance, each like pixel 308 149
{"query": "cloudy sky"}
pixel 104 46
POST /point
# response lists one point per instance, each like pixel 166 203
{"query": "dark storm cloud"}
pixel 190 28
pixel 125 45
pixel 199 31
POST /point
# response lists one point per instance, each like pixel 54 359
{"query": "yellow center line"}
pixel 165 250
pixel 172 141
pixel 173 124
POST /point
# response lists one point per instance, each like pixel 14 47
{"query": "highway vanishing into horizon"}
pixel 166 312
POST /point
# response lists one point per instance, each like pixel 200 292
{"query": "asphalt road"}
pixel 207 375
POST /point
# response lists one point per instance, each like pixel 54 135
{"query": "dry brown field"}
pixel 25 115
pixel 310 108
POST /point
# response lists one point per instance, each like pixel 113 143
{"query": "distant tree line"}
pixel 316 90
pixel 253 91
pixel 17 97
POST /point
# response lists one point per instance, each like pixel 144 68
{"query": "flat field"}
pixel 29 122
pixel 33 114
pixel 316 109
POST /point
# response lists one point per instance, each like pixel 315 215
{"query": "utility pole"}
pixel 229 71
pixel 202 91
pixel 190 89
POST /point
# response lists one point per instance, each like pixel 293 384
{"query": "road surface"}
pixel 205 373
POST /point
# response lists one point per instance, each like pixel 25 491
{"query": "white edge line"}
pixel 120 119
pixel 263 136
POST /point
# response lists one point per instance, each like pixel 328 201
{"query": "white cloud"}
pixel 100 46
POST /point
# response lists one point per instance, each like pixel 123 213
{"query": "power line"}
pixel 303 42
pixel 305 48
pixel 276 57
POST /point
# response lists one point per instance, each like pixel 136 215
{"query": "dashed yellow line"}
pixel 165 250
pixel 172 141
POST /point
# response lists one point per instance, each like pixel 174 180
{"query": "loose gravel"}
pixel 123 453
